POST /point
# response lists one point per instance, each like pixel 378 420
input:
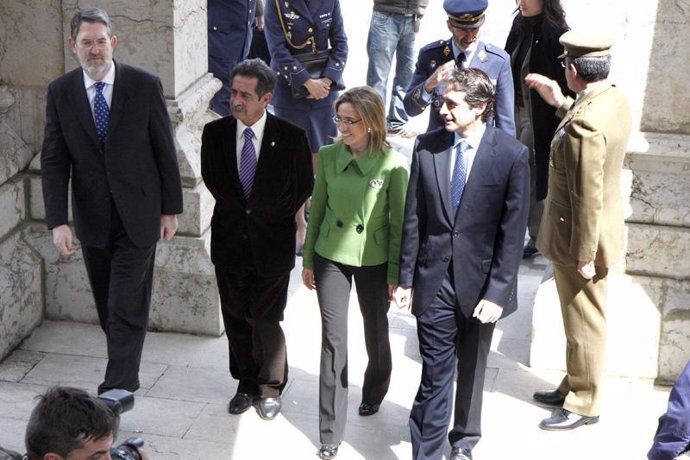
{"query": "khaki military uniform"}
pixel 583 221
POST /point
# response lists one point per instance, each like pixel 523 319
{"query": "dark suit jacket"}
pixel 258 233
pixel 136 169
pixel 485 239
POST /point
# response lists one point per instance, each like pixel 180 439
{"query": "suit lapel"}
pixel 442 171
pixel 120 97
pixel 266 152
pixel 81 106
pixel 229 150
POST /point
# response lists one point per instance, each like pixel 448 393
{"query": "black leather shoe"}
pixel 239 403
pixel 268 408
pixel 551 398
pixel 458 453
pixel 366 409
pixel 563 419
pixel 328 451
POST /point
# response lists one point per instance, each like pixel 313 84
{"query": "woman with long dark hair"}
pixel 533 47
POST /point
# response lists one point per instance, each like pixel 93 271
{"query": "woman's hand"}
pixel 318 89
pixel 308 278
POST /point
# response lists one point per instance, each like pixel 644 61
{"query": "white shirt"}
pixel 90 85
pixel 258 129
pixel 471 152
pixel 469 53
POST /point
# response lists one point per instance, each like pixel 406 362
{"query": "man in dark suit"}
pixel 465 219
pixel 258 168
pixel 107 127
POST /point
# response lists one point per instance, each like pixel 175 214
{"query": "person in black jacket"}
pixel 534 48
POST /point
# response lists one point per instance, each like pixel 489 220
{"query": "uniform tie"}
pixel 460 59
pixel 457 181
pixel 248 163
pixel 101 112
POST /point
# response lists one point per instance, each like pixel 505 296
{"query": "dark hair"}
pixel 477 87
pixel 553 20
pixel 256 68
pixel 369 105
pixel 90 15
pixel 63 419
pixel 591 68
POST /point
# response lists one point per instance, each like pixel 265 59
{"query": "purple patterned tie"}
pixel 248 162
pixel 101 112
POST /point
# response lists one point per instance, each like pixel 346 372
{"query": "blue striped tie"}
pixel 101 112
pixel 457 182
pixel 248 163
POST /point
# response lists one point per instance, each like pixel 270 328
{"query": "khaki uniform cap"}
pixel 578 44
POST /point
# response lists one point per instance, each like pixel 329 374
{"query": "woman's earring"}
pixel 368 130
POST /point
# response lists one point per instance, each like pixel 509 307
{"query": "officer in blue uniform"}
pixel 229 40
pixel 294 27
pixel 436 59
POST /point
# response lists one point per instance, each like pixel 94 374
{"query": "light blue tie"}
pixel 457 181
pixel 248 163
pixel 101 112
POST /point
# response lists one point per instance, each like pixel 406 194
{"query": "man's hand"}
pixel 308 278
pixel 402 297
pixel 168 226
pixel 438 76
pixel 318 89
pixel 62 239
pixel 586 269
pixel 548 89
pixel 487 311
pixel 260 23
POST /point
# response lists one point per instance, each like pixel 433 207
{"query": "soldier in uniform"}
pixel 464 48
pixel 229 40
pixel 582 226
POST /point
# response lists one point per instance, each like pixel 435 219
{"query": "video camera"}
pixel 120 401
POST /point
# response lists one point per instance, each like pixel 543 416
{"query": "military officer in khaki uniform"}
pixel 582 227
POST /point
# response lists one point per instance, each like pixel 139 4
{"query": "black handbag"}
pixel 314 64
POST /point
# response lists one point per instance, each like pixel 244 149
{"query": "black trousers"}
pixel 449 342
pixel 333 286
pixel 121 277
pixel 253 307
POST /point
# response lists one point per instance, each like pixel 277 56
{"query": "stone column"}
pixel 649 293
pixel 167 38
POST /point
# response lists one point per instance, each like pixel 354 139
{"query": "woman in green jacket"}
pixel 354 232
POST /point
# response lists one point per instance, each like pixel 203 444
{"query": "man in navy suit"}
pixel 253 230
pixel 463 49
pixel 465 220
pixel 108 133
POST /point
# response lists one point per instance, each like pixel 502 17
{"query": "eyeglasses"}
pixel 345 121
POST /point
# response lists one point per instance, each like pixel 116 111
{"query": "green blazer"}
pixel 357 209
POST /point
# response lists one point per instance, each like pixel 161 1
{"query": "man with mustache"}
pixel 108 133
pixel 258 168
pixel 464 50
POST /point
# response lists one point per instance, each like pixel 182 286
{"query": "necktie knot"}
pixel 99 87
pixel 248 135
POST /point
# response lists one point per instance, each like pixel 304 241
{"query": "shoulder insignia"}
pixel 446 50
pixel 482 55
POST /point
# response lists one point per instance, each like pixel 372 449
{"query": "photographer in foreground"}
pixel 69 424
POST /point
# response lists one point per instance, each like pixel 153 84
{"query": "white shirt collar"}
pixel 109 78
pixel 474 138
pixel 257 127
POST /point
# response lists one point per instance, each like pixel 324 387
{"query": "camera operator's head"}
pixel 69 424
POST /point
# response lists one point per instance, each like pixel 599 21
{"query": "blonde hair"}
pixel 369 105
